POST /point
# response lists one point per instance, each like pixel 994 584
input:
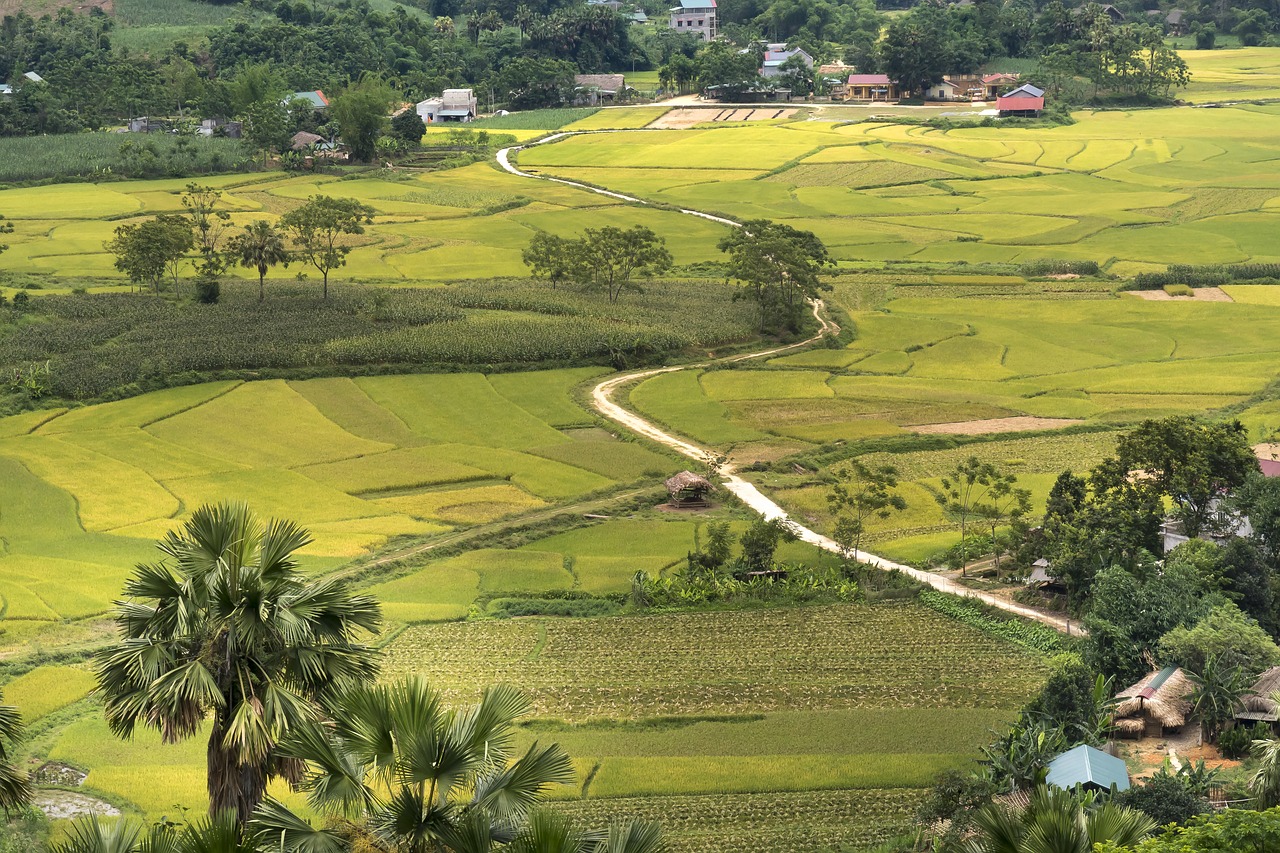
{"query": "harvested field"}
pixel 1202 294
pixel 994 425
pixel 680 119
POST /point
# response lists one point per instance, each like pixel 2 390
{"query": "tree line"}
pixel 317 233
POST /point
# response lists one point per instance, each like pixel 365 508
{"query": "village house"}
pixel 451 105
pixel 944 91
pixel 1088 768
pixel 871 87
pixel 220 127
pixel 1259 704
pixel 1157 704
pixel 594 89
pixel 776 54
pixel 994 84
pixel 1023 102
pixel 317 100
pixel 695 16
pixel 1175 23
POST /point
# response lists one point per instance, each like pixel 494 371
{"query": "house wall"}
pixel 699 21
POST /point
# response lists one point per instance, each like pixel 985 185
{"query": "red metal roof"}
pixel 1019 104
pixel 1270 467
pixel 868 80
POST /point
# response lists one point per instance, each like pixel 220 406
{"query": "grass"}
pixel 46 689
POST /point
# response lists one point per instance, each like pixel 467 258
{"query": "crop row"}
pixel 764 823
pixel 886 655
pixel 97 344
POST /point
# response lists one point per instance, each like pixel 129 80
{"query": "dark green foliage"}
pixel 1191 463
pixel 1131 611
pixel 955 797
pixel 407 126
pixel 1210 275
pixel 110 345
pixel 568 607
pixel 1030 635
pixel 361 113
pixel 778 267
pixel 1049 266
pixel 1166 798
pixel 1229 831
pixel 208 291
pixel 1237 742
pixel 322 227
pixel 760 541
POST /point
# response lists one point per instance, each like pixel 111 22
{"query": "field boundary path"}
pixel 747 492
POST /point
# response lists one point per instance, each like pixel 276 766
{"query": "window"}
pixel 679 23
pixel 699 22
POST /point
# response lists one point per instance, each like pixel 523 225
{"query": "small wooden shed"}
pixel 1259 704
pixel 1159 703
pixel 689 490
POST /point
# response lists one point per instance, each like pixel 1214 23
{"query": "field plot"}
pixel 1232 75
pixel 834 701
pixel 85 493
pixel 1129 190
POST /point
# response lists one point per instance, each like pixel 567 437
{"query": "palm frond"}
pixel 274 827
pixel 1123 826
pixel 548 832
pixel 94 835
pixel 632 836
pixel 513 791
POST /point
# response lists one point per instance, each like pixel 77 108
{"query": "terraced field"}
pixel 1128 190
pixel 85 492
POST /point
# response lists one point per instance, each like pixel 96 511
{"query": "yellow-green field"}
pixel 1248 73
pixel 86 492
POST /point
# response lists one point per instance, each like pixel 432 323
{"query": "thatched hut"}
pixel 1259 704
pixel 687 489
pixel 1159 703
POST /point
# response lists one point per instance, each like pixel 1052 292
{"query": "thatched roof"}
pixel 1258 703
pixel 1164 696
pixel 687 481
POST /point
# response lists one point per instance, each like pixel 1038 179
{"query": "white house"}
pixel 776 54
pixel 944 91
pixel 695 16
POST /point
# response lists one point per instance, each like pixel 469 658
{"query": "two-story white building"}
pixel 695 16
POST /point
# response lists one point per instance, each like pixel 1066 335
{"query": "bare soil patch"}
pixel 994 425
pixel 1203 294
pixel 686 117
pixel 63 805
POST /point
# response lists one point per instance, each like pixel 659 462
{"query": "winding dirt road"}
pixel 747 492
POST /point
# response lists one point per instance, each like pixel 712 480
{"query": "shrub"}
pixel 1050 266
pixel 1178 290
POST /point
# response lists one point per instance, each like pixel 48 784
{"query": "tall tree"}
pixel 361 112
pixel 146 250
pixel 860 493
pixel 209 224
pixel 966 489
pixel 260 247
pixel 422 777
pixel 552 257
pixel 320 229
pixel 226 628
pixel 1192 463
pixel 611 258
pixel 778 267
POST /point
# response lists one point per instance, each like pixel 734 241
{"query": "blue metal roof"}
pixel 697 4
pixel 1084 765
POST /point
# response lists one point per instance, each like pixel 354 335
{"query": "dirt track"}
pixel 602 400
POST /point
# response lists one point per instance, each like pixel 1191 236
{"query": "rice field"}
pixel 87 491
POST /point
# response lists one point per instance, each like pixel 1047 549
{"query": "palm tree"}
pixel 261 246
pixel 227 628
pixel 219 834
pixel 1057 822
pixel 423 778
pixel 1265 784
pixel 15 787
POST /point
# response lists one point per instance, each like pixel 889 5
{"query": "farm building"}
pixel 1158 703
pixel 687 489
pixel 220 127
pixel 317 100
pixel 1023 102
pixel 871 87
pixel 458 105
pixel 1259 704
pixel 1089 768
pixel 993 84
pixel 776 54
pixel 1042 579
pixel 944 91
pixel 302 140
pixel 6 89
pixel 695 16
pixel 593 89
